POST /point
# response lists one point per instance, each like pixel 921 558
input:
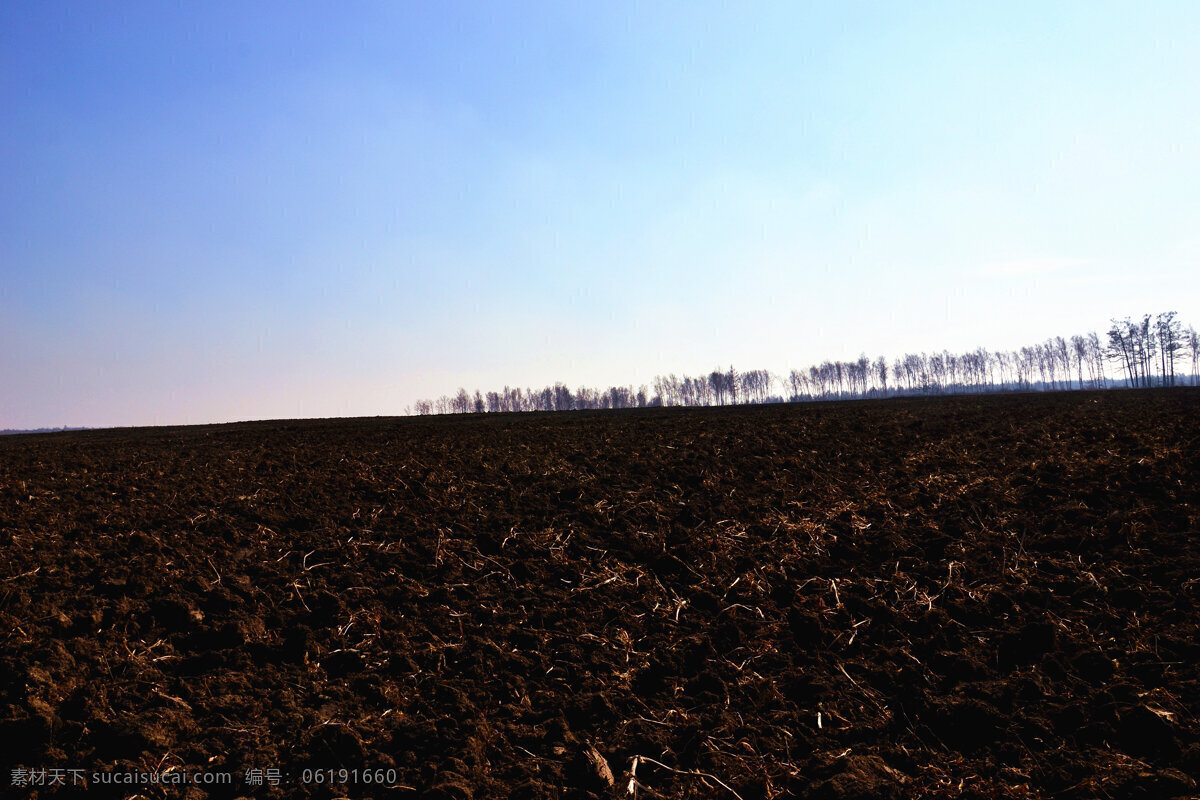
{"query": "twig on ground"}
pixel 633 781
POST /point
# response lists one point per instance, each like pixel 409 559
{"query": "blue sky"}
pixel 217 211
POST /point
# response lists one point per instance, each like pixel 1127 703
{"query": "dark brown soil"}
pixel 990 597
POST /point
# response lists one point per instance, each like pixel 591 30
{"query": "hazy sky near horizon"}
pixel 223 211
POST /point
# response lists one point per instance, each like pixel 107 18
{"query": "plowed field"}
pixel 991 597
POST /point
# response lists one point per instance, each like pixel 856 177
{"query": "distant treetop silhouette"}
pixel 1144 352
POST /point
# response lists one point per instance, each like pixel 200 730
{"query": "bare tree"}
pixel 763 385
pixel 749 389
pixel 863 372
pixel 668 389
pixel 748 386
pixel 851 377
pixel 586 398
pixel 937 371
pixel 1121 347
pixel 795 383
pixel 1062 356
pixel 563 399
pixel 1147 347
pixel 1169 332
pixel 1192 339
pixel 921 364
pixel 1025 363
pixel 990 364
pixel 716 381
pixel 1083 355
pixel 618 397
pixel 684 391
pixel 1003 367
pixel 1096 356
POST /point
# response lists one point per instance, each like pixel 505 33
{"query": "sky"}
pixel 227 211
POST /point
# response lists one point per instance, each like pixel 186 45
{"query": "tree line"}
pixel 1153 350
